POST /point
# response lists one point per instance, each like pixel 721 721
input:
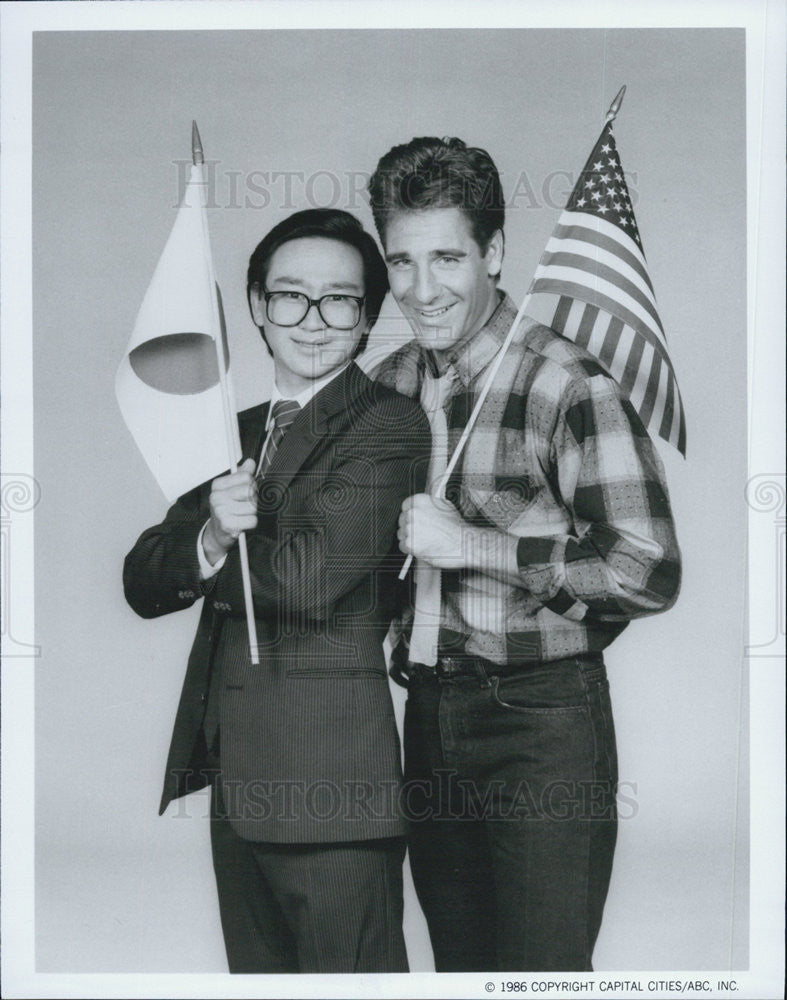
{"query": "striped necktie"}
pixel 284 413
pixel 435 393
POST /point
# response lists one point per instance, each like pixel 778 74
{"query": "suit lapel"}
pixel 312 423
pixel 252 430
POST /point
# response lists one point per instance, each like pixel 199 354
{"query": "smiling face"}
pixel 441 278
pixel 314 266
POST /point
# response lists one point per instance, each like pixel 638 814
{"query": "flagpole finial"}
pixel 197 154
pixel 615 106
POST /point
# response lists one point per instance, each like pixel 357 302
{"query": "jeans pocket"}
pixel 535 694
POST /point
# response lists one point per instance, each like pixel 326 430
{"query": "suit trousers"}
pixel 334 907
pixel 510 792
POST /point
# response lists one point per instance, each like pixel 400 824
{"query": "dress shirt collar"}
pixel 307 395
pixel 471 356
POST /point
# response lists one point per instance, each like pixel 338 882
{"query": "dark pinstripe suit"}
pixel 309 751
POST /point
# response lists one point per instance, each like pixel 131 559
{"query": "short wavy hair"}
pixel 329 224
pixel 429 172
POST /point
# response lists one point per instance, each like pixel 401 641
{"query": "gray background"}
pixel 120 889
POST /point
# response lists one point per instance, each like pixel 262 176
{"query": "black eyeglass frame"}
pixel 359 300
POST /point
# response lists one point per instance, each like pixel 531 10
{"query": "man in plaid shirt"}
pixel 555 530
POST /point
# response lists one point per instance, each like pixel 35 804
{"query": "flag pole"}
pixel 439 490
pixel 615 106
pixel 227 395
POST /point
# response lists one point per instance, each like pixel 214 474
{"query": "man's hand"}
pixel 233 508
pixel 432 530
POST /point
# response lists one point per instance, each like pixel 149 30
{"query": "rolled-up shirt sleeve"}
pixel 619 558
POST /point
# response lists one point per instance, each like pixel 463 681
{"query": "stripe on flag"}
pixel 594 273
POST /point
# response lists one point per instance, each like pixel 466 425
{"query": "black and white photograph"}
pixel 393 499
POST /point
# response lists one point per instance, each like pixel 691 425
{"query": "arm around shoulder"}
pixel 342 526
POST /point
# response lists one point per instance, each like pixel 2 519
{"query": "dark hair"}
pixel 330 224
pixel 439 173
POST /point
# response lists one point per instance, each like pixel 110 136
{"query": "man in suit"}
pixel 555 532
pixel 302 750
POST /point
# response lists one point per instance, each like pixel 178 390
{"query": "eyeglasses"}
pixel 340 312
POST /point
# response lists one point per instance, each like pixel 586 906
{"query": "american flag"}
pixel 593 279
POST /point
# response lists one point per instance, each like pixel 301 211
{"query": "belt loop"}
pixel 482 675
pixel 591 665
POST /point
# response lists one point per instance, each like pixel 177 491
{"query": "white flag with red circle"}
pixel 168 385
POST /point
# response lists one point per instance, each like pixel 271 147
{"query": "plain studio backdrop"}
pixel 291 119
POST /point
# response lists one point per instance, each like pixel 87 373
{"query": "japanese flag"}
pixel 169 383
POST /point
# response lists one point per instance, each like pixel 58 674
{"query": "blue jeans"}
pixel 510 791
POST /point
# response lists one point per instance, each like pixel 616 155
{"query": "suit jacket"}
pixel 309 749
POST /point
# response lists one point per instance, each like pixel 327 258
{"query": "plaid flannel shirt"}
pixel 560 460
